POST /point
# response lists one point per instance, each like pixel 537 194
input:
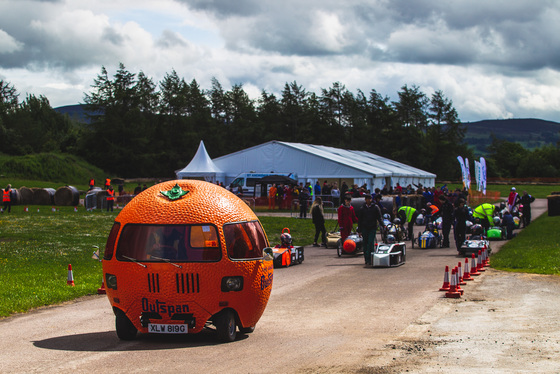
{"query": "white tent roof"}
pixel 201 165
pixel 311 162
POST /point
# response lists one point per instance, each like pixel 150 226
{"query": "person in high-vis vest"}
pixel 91 183
pixel 7 198
pixel 107 183
pixel 485 213
pixel 110 198
pixel 408 214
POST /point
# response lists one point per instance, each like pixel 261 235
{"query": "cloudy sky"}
pixel 492 58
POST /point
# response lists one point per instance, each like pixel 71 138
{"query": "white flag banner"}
pixel 477 174
pixel 483 174
pixel 468 183
pixel 463 172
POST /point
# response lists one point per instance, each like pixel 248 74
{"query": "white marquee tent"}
pixel 201 167
pixel 315 162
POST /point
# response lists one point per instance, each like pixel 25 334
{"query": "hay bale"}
pixel 67 196
pixel 43 196
pixel 26 195
pixel 15 197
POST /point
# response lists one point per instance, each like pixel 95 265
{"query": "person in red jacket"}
pixel 7 198
pixel 346 218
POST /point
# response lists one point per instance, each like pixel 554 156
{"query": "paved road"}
pixel 328 314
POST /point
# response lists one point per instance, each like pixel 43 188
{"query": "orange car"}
pixel 184 254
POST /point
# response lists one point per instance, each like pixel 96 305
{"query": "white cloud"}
pixel 494 59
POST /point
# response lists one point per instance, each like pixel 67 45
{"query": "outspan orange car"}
pixel 184 255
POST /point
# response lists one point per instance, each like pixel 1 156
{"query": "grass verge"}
pixel 535 250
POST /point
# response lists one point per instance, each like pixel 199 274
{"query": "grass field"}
pixel 535 250
pixel 36 248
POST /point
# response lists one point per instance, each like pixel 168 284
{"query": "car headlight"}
pixel 232 284
pixel 111 281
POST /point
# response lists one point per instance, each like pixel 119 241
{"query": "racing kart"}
pixel 389 254
pixel 395 229
pixel 352 245
pixel 286 254
pixel 473 244
pixel 496 233
pixel 430 238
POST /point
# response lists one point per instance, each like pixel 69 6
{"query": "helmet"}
pixel 476 229
pixel 431 226
pixel 286 239
pixel 502 205
pixel 497 221
pixel 387 216
pixel 468 223
pixel 397 221
pixel 391 239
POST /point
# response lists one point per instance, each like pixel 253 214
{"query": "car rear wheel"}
pixel 226 326
pixel 125 328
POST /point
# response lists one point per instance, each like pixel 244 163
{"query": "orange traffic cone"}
pixel 452 293
pixel 70 281
pixel 473 266
pixel 486 262
pixel 445 286
pixel 479 265
pixel 101 290
pixel 461 275
pixel 466 272
pixel 457 285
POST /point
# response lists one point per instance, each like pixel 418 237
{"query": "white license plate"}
pixel 160 328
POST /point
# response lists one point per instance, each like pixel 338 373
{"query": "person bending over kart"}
pixel 485 213
pixel 408 214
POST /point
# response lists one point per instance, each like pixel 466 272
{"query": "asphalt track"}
pixel 328 314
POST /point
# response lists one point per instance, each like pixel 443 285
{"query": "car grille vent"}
pixel 153 282
pixel 187 283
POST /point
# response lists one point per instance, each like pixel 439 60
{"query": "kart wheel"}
pixel 338 248
pixel 125 328
pixel 225 326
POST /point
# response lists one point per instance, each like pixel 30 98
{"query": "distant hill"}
pixel 529 132
pixel 75 112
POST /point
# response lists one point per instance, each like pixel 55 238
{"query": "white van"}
pixel 247 181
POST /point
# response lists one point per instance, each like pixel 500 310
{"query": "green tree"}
pixel 505 157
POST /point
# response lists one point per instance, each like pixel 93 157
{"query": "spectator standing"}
pixel 446 219
pixel 526 201
pixel 110 198
pixel 317 189
pixel 319 221
pixel 346 218
pixel 7 198
pixel 513 199
pixel 137 189
pixel 91 183
pixel 335 194
pixel 343 189
pixel 461 215
pixel 272 196
pixel 107 183
pixel 303 197
pixel 369 217
pixel 507 221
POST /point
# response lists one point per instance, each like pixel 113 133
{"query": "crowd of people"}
pixel 450 206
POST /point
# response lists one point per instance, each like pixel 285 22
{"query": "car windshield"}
pixel 245 240
pixel 176 243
